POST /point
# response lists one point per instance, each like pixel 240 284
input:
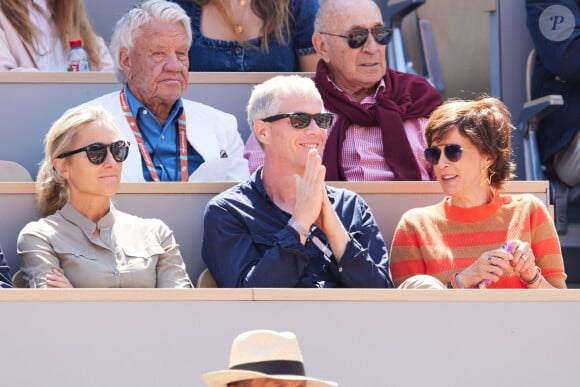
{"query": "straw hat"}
pixel 264 354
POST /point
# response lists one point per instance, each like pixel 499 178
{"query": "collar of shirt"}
pixel 88 226
pixel 161 141
pixel 362 151
pixel 368 100
pixel 139 111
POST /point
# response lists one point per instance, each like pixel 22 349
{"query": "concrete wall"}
pixel 358 338
pixel 105 13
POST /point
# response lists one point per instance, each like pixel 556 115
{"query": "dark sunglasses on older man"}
pixel 356 38
pixel 97 152
pixel 302 120
pixel 452 153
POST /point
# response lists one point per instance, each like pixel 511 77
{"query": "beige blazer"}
pixel 17 56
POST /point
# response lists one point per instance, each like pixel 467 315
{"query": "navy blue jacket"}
pixel 5 281
pixel 555 29
pixel 248 243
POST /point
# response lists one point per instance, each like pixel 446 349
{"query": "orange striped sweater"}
pixel 443 239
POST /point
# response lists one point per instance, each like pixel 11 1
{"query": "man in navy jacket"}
pixel 284 227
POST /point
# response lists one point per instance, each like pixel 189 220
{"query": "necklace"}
pixel 234 22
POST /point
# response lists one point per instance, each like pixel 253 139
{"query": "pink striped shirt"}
pixel 363 157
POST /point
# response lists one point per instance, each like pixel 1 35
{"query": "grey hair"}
pixel 327 9
pixel 52 190
pixel 267 97
pixel 124 33
pixel 322 16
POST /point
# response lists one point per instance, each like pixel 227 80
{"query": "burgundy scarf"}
pixel 404 97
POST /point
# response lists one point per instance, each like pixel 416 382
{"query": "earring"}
pixel 490 174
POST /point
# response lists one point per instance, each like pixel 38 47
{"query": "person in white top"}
pixel 35 35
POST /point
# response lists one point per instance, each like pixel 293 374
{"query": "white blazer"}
pixel 211 132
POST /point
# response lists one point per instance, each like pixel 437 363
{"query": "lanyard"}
pixel 143 148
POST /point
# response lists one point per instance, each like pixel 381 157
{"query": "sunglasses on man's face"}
pixel 302 120
pixel 97 152
pixel 356 38
pixel 452 153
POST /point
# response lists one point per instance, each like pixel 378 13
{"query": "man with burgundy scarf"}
pixel 380 113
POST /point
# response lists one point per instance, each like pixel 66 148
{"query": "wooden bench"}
pixel 181 206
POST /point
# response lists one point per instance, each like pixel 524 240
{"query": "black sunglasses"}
pixel 97 152
pixel 452 153
pixel 302 120
pixel 356 38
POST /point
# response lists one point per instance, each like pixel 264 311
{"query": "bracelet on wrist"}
pixel 454 283
pixel 299 229
pixel 459 284
pixel 538 282
pixel 535 278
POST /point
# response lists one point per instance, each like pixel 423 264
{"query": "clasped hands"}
pixel 490 266
pixel 313 206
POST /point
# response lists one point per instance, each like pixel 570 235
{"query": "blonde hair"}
pixel 70 18
pixel 267 96
pixel 52 190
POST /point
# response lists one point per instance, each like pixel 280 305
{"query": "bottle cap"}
pixel 75 42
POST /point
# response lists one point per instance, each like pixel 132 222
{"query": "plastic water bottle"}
pixel 78 59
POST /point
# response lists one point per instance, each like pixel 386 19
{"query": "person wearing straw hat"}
pixel 263 358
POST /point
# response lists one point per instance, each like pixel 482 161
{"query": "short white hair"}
pixel 267 97
pixel 124 32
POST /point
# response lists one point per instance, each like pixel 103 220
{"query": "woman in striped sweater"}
pixel 476 237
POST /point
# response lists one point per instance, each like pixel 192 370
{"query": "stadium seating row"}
pixel 167 201
pixel 33 101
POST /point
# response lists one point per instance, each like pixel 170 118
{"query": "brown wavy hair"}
pixel 275 15
pixel 486 122
pixel 70 18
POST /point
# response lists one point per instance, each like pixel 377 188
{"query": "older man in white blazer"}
pixel 172 139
